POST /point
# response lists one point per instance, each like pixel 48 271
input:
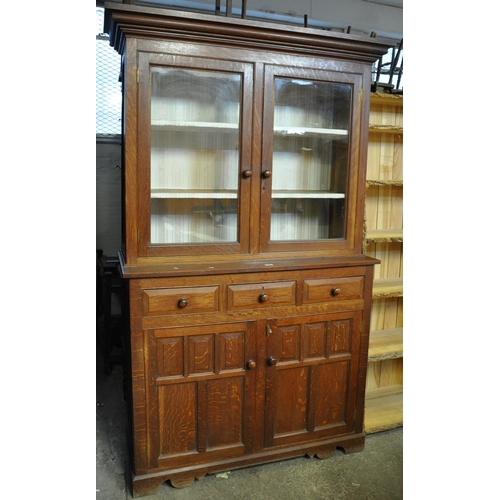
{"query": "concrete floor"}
pixel 375 473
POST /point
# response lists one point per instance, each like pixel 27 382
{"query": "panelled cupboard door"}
pixel 200 393
pixel 311 376
pixel 194 156
pixel 310 155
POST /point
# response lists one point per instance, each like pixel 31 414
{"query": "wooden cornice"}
pixel 123 21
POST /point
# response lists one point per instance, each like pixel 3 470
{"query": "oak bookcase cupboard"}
pixel 384 241
pixel 245 148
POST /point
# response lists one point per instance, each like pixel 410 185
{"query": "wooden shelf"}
pixel 384 236
pixel 386 99
pixel 386 344
pixel 384 394
pixel 388 287
pixel 386 129
pixel 190 126
pixel 283 193
pixel 384 409
pixel 193 194
pixel 383 182
pixel 310 131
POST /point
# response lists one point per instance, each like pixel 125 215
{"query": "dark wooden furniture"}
pixel 109 322
pixel 245 156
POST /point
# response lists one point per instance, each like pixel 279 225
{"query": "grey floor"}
pixel 375 473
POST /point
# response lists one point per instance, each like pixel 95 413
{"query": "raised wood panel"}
pixel 170 357
pixel 287 342
pixel 177 422
pixel 292 395
pixel 225 404
pixel 332 383
pixel 339 337
pixel 232 351
pixel 315 341
pixel 201 354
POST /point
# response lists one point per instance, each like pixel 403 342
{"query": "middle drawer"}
pixel 260 295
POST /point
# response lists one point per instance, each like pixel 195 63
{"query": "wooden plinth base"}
pixel 148 484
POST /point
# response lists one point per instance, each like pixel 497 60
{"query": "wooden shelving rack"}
pixel 384 241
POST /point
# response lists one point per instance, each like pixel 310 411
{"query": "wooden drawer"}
pixel 180 300
pixel 333 289
pixel 261 295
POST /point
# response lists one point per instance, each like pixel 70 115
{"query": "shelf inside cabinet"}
pixel 383 409
pixel 191 126
pixel 386 344
pixel 194 194
pixel 310 132
pixel 307 194
pixel 384 182
pixel 384 236
pixel 387 287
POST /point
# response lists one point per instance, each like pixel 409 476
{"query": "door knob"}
pixel 247 174
pixel 266 174
pixel 271 361
pixel 251 364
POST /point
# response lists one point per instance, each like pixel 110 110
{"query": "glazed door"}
pixel 310 153
pixel 311 377
pixel 194 155
pixel 200 393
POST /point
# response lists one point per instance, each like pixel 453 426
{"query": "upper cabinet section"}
pixel 242 140
pixel 195 130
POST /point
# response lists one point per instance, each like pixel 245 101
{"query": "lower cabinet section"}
pixel 262 385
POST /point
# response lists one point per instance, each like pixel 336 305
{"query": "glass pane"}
pixel 195 127
pixel 310 159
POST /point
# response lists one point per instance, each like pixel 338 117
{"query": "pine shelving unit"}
pixel 384 241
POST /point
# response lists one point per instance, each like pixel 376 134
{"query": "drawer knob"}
pixel 251 364
pixel 182 303
pixel 335 291
pixel 271 361
pixel 263 297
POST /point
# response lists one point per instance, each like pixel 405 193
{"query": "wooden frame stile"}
pixel 130 146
